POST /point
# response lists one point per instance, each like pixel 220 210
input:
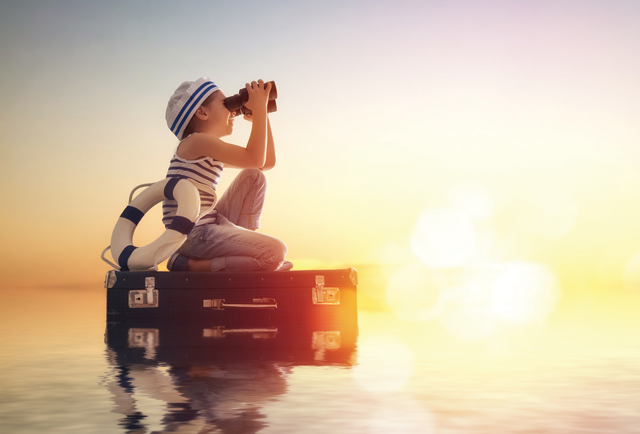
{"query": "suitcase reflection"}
pixel 214 376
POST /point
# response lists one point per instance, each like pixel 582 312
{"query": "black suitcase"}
pixel 304 317
pixel 304 298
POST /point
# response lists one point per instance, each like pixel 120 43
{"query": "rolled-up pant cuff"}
pixel 249 221
pixel 218 264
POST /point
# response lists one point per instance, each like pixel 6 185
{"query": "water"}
pixel 580 373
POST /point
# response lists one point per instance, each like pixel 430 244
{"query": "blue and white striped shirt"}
pixel 205 171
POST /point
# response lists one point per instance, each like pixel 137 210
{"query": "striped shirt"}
pixel 205 171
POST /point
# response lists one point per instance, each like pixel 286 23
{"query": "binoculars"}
pixel 235 103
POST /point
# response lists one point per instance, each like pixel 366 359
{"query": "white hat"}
pixel 184 102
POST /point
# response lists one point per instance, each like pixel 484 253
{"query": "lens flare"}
pixel 465 314
pixel 523 293
pixel 443 238
pixel 499 298
pixel 385 364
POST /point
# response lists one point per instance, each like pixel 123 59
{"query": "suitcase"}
pixel 306 316
pixel 301 296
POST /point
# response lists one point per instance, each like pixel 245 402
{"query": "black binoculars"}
pixel 235 103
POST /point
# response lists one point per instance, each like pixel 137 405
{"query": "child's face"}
pixel 220 118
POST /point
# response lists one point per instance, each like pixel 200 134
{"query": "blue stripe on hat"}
pixel 191 104
pixel 194 106
pixel 184 107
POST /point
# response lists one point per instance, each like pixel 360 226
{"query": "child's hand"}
pixel 258 95
pixel 249 118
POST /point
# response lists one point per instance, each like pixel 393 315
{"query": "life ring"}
pixel 132 258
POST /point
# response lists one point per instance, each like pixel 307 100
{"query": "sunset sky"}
pixel 516 121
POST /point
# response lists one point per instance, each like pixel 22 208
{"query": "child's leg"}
pixel 227 244
pixel 228 247
pixel 242 202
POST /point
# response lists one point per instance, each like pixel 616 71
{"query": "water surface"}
pixel 577 373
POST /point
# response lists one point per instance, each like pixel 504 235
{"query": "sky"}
pixel 446 133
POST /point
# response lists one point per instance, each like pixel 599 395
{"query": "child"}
pixel 224 239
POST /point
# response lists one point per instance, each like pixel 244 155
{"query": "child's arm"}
pixel 270 161
pixel 253 156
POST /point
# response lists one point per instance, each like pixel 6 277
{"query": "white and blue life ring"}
pixel 132 258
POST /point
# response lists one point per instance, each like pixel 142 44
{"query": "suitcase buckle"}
pixel 322 295
pixel 147 297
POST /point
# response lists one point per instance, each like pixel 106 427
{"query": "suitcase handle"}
pixel 258 303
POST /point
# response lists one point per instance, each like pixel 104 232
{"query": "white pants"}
pixel 229 243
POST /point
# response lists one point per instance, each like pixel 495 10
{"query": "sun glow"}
pixel 523 292
pixel 502 297
pixel 456 281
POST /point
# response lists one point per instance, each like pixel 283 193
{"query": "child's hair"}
pixel 191 126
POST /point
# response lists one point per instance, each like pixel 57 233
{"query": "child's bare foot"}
pixel 285 266
pixel 199 265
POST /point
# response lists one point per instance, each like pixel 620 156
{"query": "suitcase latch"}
pixel 258 303
pixel 147 297
pixel 110 279
pixel 323 295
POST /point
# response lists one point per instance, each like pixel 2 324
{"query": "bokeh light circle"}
pixel 524 292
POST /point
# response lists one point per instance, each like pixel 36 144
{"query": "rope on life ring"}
pixel 183 191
